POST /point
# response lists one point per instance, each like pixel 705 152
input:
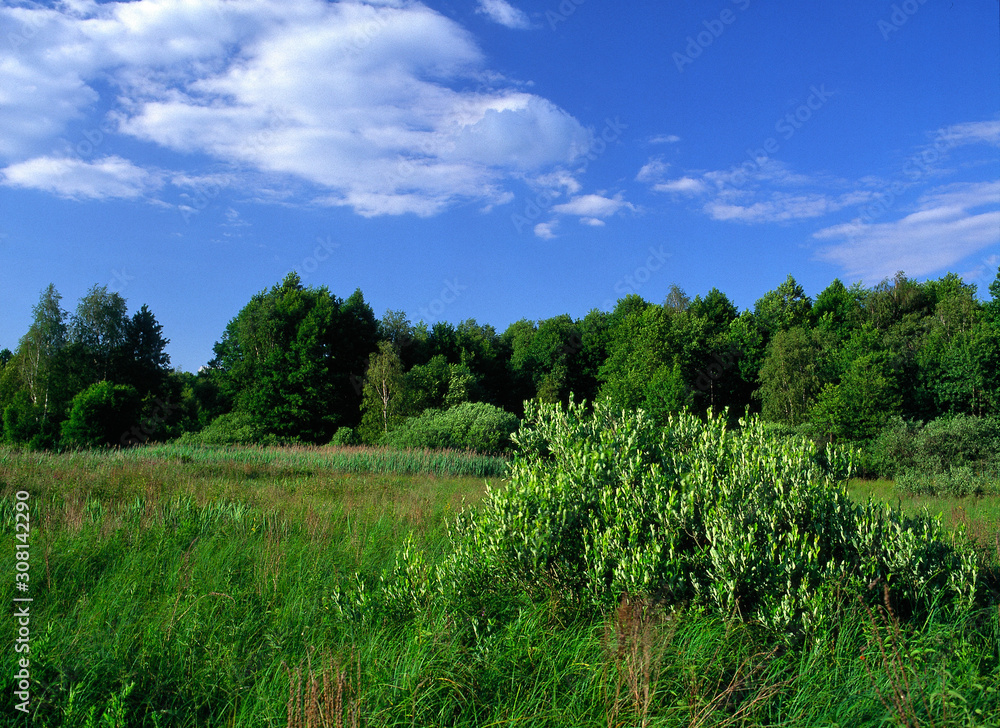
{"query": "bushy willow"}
pixel 603 503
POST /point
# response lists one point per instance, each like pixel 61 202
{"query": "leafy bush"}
pixel 894 448
pixel 954 455
pixel 608 504
pixel 957 481
pixel 468 426
pixel 345 436
pixel 21 420
pixel 232 428
pixel 102 414
pixel 955 441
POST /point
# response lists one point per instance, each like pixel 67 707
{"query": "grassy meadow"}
pixel 191 587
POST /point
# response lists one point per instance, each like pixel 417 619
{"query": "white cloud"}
pixel 653 170
pixel 546 230
pixel 594 206
pixel 972 132
pixel 783 207
pixel 109 177
pixel 687 185
pixel 502 12
pixel 384 106
pixel 947 226
pixel 560 178
pixel 665 139
pixel 592 221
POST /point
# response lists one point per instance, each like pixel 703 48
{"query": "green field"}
pixel 242 588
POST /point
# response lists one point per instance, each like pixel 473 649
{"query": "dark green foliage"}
pixel 288 357
pixel 471 426
pixel 102 415
pixel 293 362
pixel 992 306
pixel 438 385
pixel 952 455
pixel 232 428
pixel 141 358
pixel 97 333
pixel 859 405
pixel 654 355
pixel 786 307
pixel 717 310
pixel 22 421
pixel 839 309
pixel 345 436
pixel 792 374
pixel 889 303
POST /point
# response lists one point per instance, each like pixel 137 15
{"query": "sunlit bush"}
pixel 605 503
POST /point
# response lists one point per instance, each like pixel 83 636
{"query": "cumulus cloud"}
pixel 383 106
pixel 107 178
pixel 653 170
pixel 502 12
pixel 949 224
pixel 546 230
pixel 593 206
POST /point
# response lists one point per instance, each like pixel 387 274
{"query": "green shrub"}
pixel 21 420
pixel 608 504
pixel 894 448
pixel 101 415
pixel 468 426
pixel 958 481
pixel 232 428
pixel 956 441
pixel 345 436
pixel 946 451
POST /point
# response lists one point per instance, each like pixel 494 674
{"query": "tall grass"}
pixel 345 459
pixel 211 593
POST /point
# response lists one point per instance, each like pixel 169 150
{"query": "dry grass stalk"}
pixel 630 640
pixel 328 698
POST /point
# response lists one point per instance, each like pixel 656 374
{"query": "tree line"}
pixel 300 364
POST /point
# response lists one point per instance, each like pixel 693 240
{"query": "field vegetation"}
pixel 614 574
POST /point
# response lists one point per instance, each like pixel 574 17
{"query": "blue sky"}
pixel 488 159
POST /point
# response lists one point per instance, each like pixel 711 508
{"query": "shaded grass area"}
pixel 207 593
